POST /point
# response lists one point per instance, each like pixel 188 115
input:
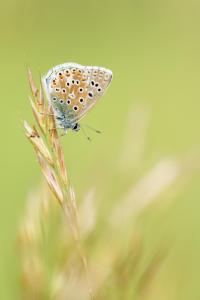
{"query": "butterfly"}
pixel 72 90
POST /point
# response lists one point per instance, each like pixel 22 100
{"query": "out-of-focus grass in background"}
pixel 153 49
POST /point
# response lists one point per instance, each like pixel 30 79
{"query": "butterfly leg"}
pixel 64 133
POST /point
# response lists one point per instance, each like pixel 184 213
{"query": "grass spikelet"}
pixel 50 156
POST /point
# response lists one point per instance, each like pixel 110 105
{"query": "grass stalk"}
pixel 49 152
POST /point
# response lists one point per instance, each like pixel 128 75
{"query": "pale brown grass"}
pixel 45 140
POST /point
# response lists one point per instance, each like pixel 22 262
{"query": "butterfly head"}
pixel 65 124
pixel 76 127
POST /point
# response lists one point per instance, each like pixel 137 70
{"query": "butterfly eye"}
pixel 95 72
pixel 92 82
pixel 57 90
pixel 68 84
pixel 68 101
pixel 96 84
pixel 80 71
pixel 74 70
pixel 61 101
pixel 80 90
pixel 75 107
pixel 64 91
pixel 81 100
pixel 99 90
pixel 90 95
pixel 73 81
pixel 77 82
pixel 54 98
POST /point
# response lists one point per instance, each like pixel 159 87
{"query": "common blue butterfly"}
pixel 73 90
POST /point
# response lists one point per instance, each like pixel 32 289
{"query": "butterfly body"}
pixel 73 90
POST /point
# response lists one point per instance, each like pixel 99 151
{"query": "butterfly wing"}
pixel 73 89
pixel 96 81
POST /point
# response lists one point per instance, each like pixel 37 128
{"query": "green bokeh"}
pixel 153 49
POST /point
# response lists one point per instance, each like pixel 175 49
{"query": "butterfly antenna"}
pixel 91 128
pixel 88 138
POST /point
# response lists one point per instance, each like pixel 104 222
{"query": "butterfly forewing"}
pixel 73 89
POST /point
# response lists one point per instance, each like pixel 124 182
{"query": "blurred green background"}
pixel 153 49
